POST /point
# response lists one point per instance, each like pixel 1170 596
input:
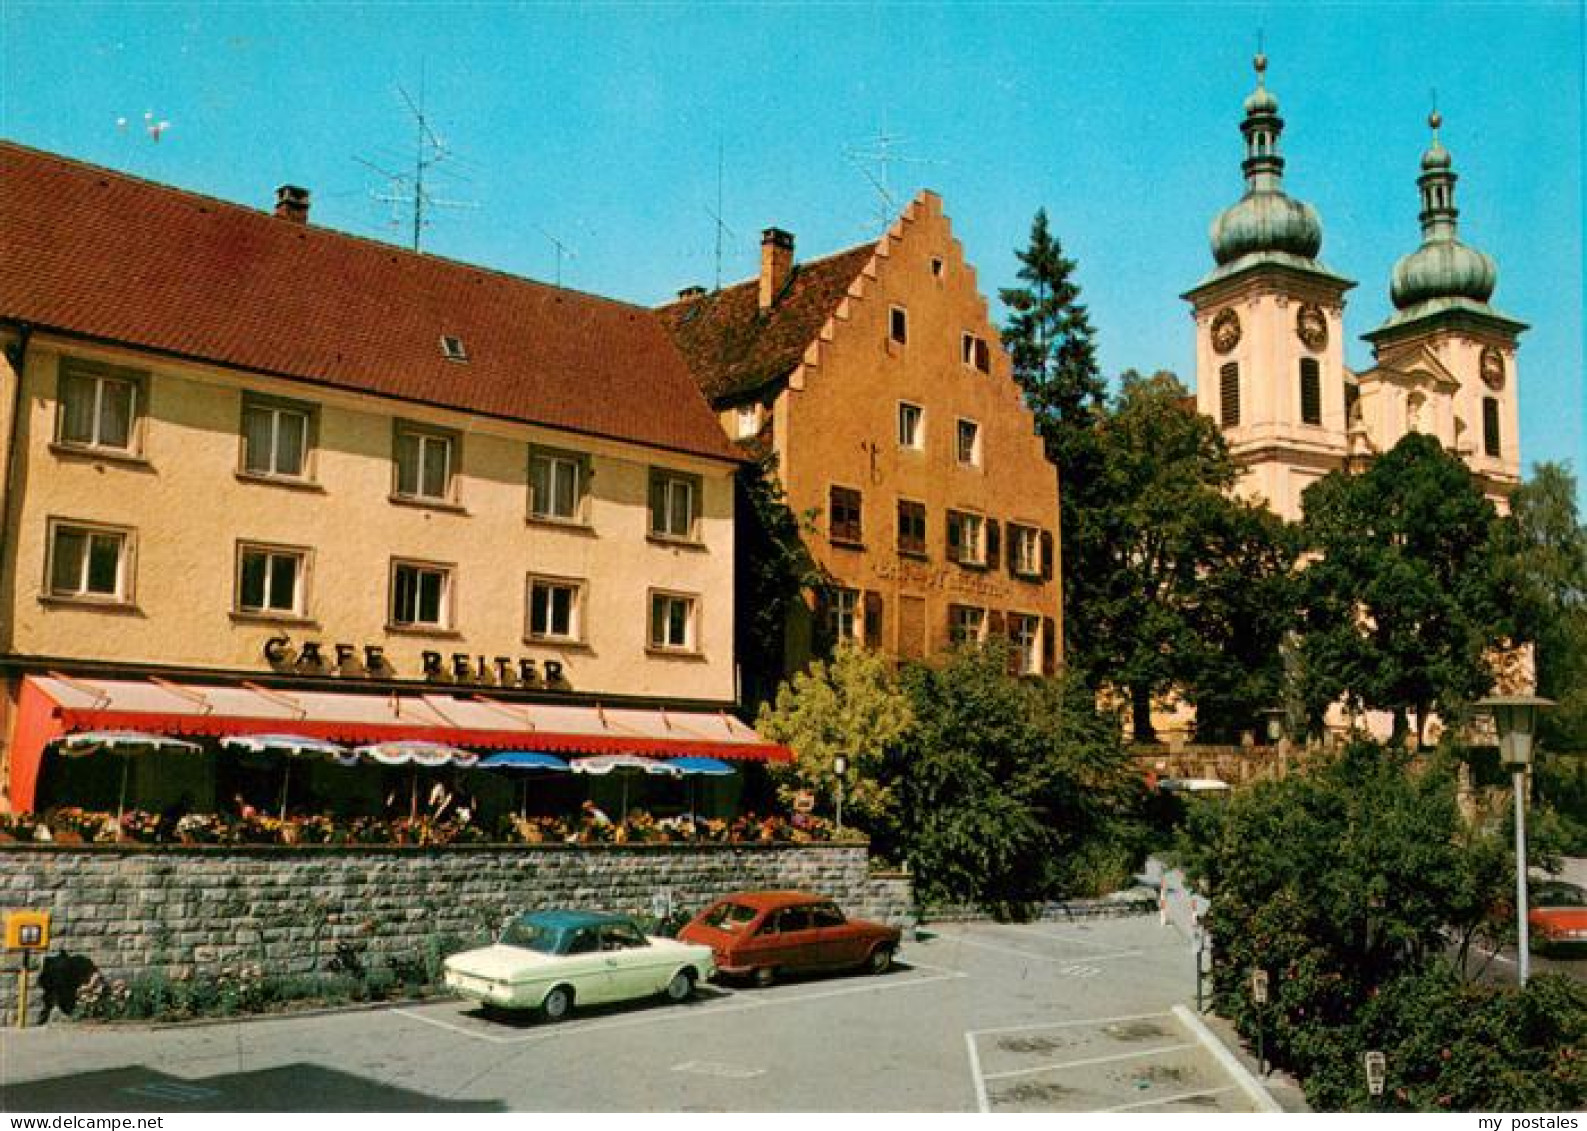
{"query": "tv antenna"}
pixel 875 165
pixel 562 250
pixel 411 199
pixel 716 215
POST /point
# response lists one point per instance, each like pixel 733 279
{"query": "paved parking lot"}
pixel 1037 1017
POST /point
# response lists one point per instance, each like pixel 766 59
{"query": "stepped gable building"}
pixel 261 477
pixel 1270 327
pixel 877 378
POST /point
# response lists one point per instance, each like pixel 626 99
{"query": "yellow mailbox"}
pixel 27 930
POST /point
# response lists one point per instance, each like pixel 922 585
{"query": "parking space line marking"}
pixel 1070 961
pixel 737 1003
pixel 982 1103
pixel 1058 1067
pixel 1072 1024
pixel 1169 1099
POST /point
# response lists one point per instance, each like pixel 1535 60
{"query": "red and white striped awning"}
pixel 54 705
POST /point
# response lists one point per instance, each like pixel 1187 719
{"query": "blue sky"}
pixel 601 125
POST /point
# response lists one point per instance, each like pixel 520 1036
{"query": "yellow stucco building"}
pixel 247 456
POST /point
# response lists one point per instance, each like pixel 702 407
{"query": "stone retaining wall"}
pixel 131 910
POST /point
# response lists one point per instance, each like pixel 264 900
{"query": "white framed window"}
pixel 88 562
pixel 967 538
pixel 1025 552
pixel 674 504
pixel 99 407
pixel 1024 635
pixel 271 580
pixel 421 595
pixel 746 421
pixel 276 438
pixel 966 624
pixel 557 485
pixel 975 353
pixel 898 325
pixel 556 607
pixel 843 615
pixel 426 463
pixel 911 426
pixel 967 443
pixel 673 619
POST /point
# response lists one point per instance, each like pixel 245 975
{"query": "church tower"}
pixel 1446 359
pixel 1269 327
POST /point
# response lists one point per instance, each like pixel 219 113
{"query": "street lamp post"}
pixel 840 766
pixel 1515 720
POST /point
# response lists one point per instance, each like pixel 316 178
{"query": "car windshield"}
pixel 1559 895
pixel 729 916
pixel 526 933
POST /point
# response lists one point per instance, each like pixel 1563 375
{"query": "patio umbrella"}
pixel 523 761
pixel 295 745
pixel 624 766
pixel 694 766
pixel 416 752
pixel 124 743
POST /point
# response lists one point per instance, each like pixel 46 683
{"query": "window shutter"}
pixel 996 623
pixel 994 544
pixel 1490 426
pixel 658 503
pixel 953 525
pixel 1049 646
pixel 821 622
pixel 1229 380
pixel 873 619
pixel 1046 555
pixel 1310 391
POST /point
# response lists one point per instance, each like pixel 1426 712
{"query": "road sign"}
pixel 1377 1068
pixel 1259 986
pixel 27 930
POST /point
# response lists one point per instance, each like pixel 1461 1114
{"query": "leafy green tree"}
pixel 1008 787
pixel 1550 563
pixel 1407 597
pixel 1052 345
pixel 1162 477
pixel 773 570
pixel 1337 881
pixel 1240 606
pixel 850 705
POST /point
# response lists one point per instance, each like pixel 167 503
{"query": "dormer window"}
pixel 452 348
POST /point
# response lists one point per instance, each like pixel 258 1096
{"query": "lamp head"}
pixel 1515 720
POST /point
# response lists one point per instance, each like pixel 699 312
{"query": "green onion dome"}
pixel 1443 267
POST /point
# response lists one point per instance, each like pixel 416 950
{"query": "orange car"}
pixel 1558 916
pixel 761 935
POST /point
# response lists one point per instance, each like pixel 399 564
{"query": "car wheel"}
pixel 763 976
pixel 558 1003
pixel 681 988
pixel 879 960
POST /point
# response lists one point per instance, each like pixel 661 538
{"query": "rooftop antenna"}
pixel 153 127
pixel 408 191
pixel 883 155
pixel 721 225
pixel 562 250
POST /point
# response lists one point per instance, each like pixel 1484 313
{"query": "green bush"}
pixel 1352 884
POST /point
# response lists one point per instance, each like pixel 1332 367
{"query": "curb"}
pixel 1246 1082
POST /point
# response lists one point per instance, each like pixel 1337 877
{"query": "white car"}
pixel 552 960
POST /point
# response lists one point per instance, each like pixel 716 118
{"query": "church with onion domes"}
pixel 1270 364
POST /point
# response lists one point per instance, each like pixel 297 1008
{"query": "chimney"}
pixel 292 203
pixel 776 261
pixel 691 293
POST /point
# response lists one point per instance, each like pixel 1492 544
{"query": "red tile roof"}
pixel 735 350
pixel 94 252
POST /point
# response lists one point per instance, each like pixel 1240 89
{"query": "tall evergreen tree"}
pixel 1049 337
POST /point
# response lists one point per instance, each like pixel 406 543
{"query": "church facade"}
pixel 1270 328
